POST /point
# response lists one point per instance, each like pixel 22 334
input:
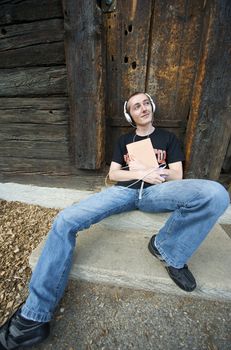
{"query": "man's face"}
pixel 140 109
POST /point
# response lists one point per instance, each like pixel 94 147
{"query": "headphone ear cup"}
pixel 127 115
pixel 128 118
pixel 153 106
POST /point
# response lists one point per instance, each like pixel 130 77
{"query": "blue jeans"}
pixel 196 206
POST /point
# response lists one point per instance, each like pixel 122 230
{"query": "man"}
pixel 194 204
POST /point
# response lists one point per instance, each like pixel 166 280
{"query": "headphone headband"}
pixel 127 115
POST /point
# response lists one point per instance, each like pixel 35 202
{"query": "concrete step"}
pixel 115 250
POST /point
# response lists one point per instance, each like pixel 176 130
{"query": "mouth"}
pixel 145 115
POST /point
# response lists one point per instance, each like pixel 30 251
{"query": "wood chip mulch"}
pixel 22 227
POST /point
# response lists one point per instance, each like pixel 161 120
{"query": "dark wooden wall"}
pixel 34 112
pixel 209 125
pixel 67 66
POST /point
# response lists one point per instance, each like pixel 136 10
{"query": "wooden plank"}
pixel 126 41
pixel 209 124
pixel 31 132
pixel 173 55
pixel 27 34
pixel 34 149
pixel 82 24
pixel 29 115
pixel 38 55
pixel 14 11
pixel 45 111
pixel 127 36
pixel 33 81
pixel 32 166
pixel 45 103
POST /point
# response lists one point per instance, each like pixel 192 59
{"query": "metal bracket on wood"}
pixel 108 6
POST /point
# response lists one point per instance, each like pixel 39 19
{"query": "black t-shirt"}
pixel 161 140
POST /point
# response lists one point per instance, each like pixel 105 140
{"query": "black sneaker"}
pixel 18 331
pixel 182 277
pixel 154 251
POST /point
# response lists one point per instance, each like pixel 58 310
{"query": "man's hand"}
pixel 154 176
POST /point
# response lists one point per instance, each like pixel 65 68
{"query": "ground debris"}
pixel 22 227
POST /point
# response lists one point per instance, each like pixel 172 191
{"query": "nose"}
pixel 144 107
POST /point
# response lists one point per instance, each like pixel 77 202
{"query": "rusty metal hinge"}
pixel 108 5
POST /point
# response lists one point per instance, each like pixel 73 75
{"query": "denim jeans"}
pixel 195 204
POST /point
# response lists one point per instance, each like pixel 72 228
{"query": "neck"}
pixel 144 130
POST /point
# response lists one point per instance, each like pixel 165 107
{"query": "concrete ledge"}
pixel 115 251
pixel 48 197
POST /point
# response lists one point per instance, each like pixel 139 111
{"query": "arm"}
pixel 118 174
pixel 175 171
pixel 151 176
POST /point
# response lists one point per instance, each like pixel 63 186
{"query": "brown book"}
pixel 143 151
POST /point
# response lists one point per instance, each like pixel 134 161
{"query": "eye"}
pixel 147 103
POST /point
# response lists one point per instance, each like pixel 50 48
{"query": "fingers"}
pixel 127 159
pixel 154 178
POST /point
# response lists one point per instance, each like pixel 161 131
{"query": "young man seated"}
pixel 196 205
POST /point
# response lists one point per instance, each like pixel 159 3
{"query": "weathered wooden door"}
pixel 163 47
pixel 153 47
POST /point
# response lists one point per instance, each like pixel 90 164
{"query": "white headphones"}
pixel 127 115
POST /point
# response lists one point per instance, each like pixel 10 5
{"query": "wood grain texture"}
pixel 209 127
pixel 33 132
pixel 127 42
pixel 35 166
pixel 50 103
pixel 173 55
pixel 40 149
pixel 27 34
pixel 14 11
pixel 34 109
pixel 35 116
pixel 38 55
pixel 177 51
pixel 37 81
pixel 85 81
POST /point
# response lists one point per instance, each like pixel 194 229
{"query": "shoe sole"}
pixel 34 341
pixel 29 343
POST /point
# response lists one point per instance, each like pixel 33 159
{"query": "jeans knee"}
pixel 217 196
pixel 64 222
